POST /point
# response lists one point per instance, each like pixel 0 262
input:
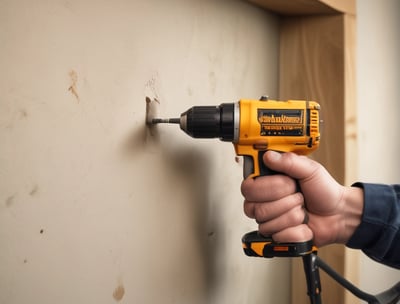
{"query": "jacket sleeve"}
pixel 378 235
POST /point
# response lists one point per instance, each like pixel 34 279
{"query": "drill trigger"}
pixel 248 166
pixel 264 170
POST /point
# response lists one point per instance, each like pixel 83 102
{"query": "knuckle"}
pixel 282 186
pixel 260 213
pixel 248 209
pixel 247 187
pixel 304 232
pixel 265 230
pixel 286 182
pixel 299 198
pixel 297 216
pixel 244 188
pixel 289 159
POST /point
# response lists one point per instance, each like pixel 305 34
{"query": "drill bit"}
pixel 165 120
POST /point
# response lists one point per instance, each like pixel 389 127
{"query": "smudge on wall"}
pixel 73 77
pixel 119 292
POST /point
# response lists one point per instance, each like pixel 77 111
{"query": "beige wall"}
pixel 378 111
pixel 95 208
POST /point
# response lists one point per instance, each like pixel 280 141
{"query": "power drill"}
pixel 255 126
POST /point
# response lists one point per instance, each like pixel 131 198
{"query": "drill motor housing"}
pixel 255 126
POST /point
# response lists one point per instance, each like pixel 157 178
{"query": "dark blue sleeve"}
pixel 379 232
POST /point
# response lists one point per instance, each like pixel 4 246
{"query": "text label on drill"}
pixel 282 122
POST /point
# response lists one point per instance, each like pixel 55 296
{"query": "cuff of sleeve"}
pixel 374 217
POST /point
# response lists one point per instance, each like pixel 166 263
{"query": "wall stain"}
pixel 213 82
pixel 23 113
pixel 119 292
pixel 34 190
pixel 10 200
pixel 72 88
pixel 189 91
pixel 151 87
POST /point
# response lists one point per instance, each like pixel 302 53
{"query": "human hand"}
pixel 334 211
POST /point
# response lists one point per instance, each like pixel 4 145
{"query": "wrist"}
pixel 353 205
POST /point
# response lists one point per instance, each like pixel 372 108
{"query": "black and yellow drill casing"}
pixel 255 126
pixel 284 126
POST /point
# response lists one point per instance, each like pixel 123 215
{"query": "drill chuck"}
pixel 212 122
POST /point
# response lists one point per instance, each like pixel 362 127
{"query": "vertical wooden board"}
pixel 351 267
pixel 312 67
pixel 350 99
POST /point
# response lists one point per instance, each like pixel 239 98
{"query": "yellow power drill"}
pixel 255 126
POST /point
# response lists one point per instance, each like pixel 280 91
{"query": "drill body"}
pixel 255 126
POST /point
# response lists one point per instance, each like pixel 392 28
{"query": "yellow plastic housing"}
pixel 284 126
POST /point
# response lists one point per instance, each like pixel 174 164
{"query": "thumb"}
pixel 291 164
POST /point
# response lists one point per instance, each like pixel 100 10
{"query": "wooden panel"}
pixel 312 66
pixel 351 267
pixel 307 7
pixel 350 98
pixel 317 61
pixel 343 6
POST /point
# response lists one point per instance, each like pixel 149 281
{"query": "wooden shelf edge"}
pixel 307 7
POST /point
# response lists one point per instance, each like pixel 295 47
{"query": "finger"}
pixel 248 208
pixel 263 212
pixel 296 166
pixel 314 180
pixel 292 218
pixel 267 188
pixel 300 233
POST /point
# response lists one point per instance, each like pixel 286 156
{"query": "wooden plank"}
pixel 343 6
pixel 351 258
pixel 307 7
pixel 317 61
pixel 312 66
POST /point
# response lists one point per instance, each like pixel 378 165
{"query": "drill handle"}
pixel 253 161
pixel 254 166
pixel 255 244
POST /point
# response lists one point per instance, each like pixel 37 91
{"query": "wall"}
pixel 94 206
pixel 378 109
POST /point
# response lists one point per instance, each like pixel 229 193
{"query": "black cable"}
pixel 346 284
pixel 311 271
